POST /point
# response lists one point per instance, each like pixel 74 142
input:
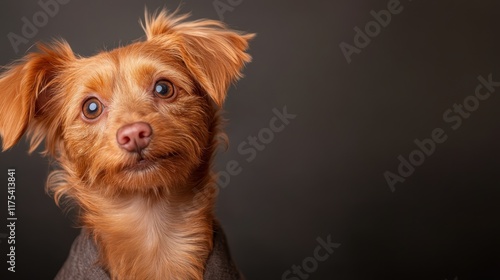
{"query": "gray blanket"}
pixel 81 262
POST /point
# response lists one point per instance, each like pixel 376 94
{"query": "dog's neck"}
pixel 162 236
pixel 151 238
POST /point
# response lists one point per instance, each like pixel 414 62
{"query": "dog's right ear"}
pixel 214 54
pixel 25 89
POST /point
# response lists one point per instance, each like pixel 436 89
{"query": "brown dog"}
pixel 134 131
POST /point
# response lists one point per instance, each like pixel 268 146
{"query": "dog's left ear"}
pixel 214 54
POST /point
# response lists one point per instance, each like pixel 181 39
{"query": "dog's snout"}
pixel 134 137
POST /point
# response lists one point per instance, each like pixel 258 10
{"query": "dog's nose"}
pixel 134 137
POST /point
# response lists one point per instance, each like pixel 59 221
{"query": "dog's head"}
pixel 139 116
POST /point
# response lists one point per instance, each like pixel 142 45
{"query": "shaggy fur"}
pixel 143 207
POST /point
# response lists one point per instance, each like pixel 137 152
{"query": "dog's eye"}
pixel 164 89
pixel 92 108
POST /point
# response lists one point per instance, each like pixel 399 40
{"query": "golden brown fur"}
pixel 147 221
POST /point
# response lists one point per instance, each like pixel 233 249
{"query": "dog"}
pixel 133 132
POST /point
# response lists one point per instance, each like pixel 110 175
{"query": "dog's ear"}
pixel 25 90
pixel 213 54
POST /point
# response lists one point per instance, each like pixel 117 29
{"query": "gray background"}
pixel 323 174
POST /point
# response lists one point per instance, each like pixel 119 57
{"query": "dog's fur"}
pixel 139 205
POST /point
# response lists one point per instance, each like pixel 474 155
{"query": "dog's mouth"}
pixel 147 163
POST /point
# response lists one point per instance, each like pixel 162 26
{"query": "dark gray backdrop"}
pixel 323 174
